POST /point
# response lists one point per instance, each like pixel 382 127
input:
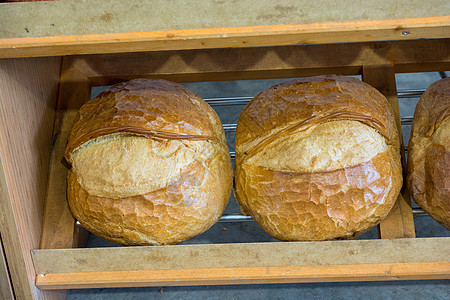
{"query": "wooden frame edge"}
pixel 246 36
pixel 399 223
pixel 252 275
pixel 58 229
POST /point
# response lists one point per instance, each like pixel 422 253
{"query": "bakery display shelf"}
pixel 397 255
pixel 41 89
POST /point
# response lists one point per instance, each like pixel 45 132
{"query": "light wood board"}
pixel 241 255
pixel 397 259
pixel 400 222
pixel 250 36
pixel 61 18
pixel 6 290
pixel 251 275
pixel 59 225
pixel 27 99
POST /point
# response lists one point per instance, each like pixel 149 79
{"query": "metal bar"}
pixel 228 100
pixel 240 218
pixel 245 100
pixel 406 120
pixel 229 127
pixel 232 126
pixel 419 212
pixel 409 93
pixel 235 218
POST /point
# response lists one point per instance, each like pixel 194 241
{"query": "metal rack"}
pixel 231 127
pixel 399 224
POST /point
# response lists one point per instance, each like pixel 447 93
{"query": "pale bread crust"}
pixel 151 165
pixel 133 165
pixel 324 147
pixel 429 152
pixel 336 195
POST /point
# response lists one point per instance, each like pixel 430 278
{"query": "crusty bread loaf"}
pixel 429 152
pixel 150 164
pixel 317 158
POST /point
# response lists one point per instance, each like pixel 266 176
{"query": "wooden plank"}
pixel 59 225
pixel 6 290
pixel 28 93
pixel 247 36
pixel 400 222
pixel 250 275
pixel 110 16
pixel 231 255
pixel 8 230
pixel 264 62
pixel 81 237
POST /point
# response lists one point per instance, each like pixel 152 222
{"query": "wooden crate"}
pixel 39 98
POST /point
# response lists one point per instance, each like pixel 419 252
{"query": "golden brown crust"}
pixel 318 204
pixel 189 205
pixel 432 109
pixel 182 129
pixel 429 152
pixel 151 108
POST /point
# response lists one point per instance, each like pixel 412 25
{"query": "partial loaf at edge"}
pixel 429 152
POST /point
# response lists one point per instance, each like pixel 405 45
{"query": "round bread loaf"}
pixel 317 158
pixel 429 152
pixel 150 164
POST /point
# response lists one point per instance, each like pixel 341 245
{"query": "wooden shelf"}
pixel 376 62
pixel 288 262
pixel 95 26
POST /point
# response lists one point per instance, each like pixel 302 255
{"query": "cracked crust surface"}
pixel 326 162
pixel 150 164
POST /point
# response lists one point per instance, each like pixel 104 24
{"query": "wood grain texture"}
pixel 241 255
pixel 6 290
pixel 10 237
pixel 265 62
pixel 59 230
pixel 226 37
pixel 27 99
pixel 400 222
pixel 112 16
pixel 250 275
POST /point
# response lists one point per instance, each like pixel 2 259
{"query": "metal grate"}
pixel 407 120
pixel 232 128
